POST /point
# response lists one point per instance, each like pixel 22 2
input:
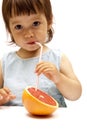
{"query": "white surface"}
pixel 70 25
pixel 17 118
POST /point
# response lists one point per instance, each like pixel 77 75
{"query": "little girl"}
pixel 29 22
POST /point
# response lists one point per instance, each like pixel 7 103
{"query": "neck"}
pixel 29 54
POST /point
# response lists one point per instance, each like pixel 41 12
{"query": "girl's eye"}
pixel 36 23
pixel 18 27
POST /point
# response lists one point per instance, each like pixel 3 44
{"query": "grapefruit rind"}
pixel 35 106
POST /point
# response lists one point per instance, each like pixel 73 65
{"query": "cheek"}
pixel 17 35
pixel 42 35
pixel 17 38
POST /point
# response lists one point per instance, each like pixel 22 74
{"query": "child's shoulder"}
pixel 8 55
pixel 56 52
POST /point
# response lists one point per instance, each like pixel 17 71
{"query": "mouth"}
pixel 31 43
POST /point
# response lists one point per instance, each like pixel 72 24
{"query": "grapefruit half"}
pixel 38 102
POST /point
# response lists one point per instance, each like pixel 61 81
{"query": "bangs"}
pixel 19 7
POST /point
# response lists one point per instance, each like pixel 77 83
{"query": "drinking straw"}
pixel 40 50
pixel 37 80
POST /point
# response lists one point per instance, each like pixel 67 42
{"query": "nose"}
pixel 28 34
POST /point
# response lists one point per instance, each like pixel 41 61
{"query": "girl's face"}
pixel 28 29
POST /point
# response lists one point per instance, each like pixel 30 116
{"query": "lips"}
pixel 31 43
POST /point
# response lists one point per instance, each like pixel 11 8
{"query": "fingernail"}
pixel 1 97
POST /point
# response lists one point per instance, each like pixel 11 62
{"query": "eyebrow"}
pixel 14 22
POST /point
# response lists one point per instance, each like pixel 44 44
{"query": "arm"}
pixel 5 93
pixel 68 83
pixel 1 77
pixel 65 79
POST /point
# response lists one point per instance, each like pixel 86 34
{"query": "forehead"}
pixel 27 18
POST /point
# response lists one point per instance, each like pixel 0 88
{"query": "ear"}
pixel 49 26
pixel 50 23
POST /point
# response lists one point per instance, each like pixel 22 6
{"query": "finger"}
pixel 41 69
pixel 4 100
pixel 40 65
pixel 7 90
pixel 1 97
pixel 3 93
pixel 12 96
pixel 44 68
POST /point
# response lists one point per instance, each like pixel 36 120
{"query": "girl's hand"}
pixel 49 70
pixel 6 95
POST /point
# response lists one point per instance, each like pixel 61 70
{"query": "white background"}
pixel 70 25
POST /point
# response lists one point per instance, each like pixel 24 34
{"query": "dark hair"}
pixel 19 7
